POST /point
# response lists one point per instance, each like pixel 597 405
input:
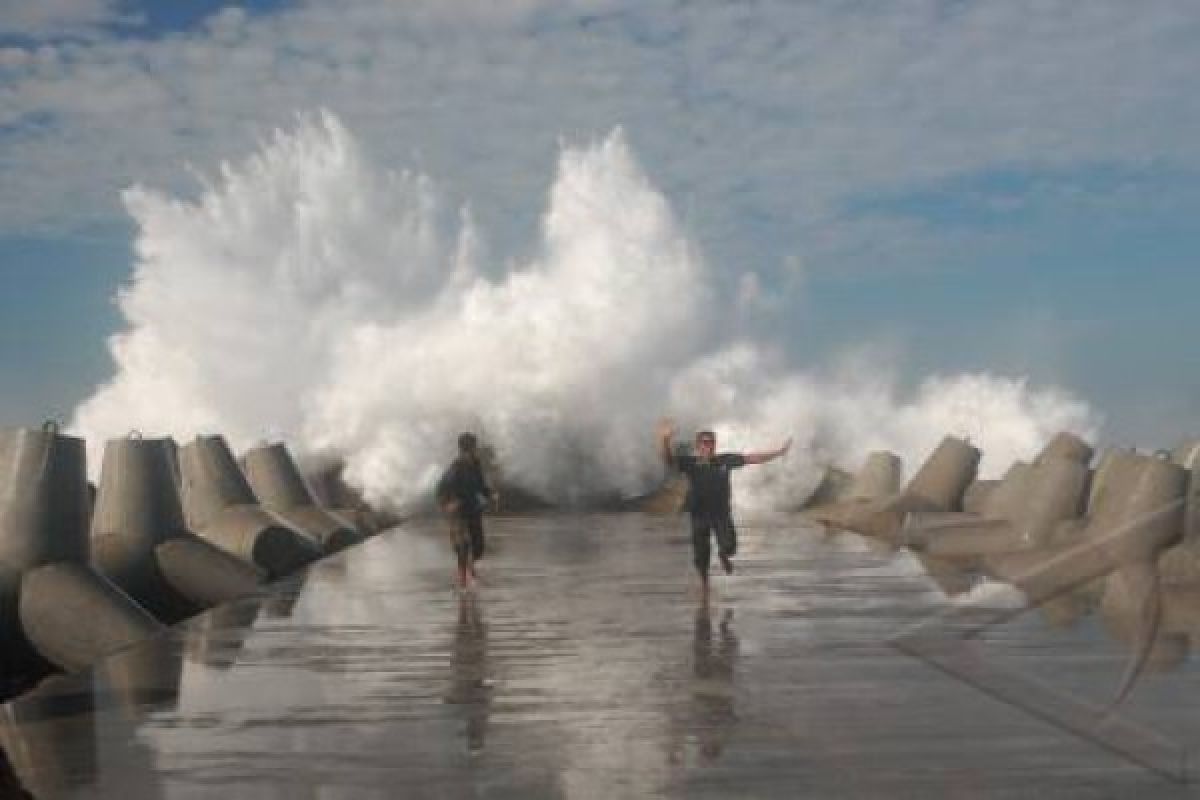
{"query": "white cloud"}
pixel 56 18
pixel 768 117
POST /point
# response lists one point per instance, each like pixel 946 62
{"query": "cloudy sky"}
pixel 1009 186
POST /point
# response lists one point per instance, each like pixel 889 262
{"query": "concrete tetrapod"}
pixel 64 738
pixel 667 498
pixel 1187 455
pixel 144 678
pixel 1181 563
pixel 1078 538
pixel 59 614
pixel 331 491
pixel 1156 512
pixel 985 521
pixel 50 735
pixel 830 490
pixel 279 487
pixel 938 486
pixel 1006 499
pixel 879 477
pixel 218 637
pixel 1138 515
pixel 70 614
pixel 1023 512
pixel 1125 524
pixel 977 494
pixel 986 514
pixel 219 505
pixel 1113 463
pixel 140 543
pixel 1068 446
pixel 1123 610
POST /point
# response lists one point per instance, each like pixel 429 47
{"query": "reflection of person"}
pixel 708 498
pixel 461 493
pixel 469 685
pixel 710 715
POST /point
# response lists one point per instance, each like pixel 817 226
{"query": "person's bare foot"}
pixel 726 564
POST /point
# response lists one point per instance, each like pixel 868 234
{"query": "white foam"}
pixel 309 295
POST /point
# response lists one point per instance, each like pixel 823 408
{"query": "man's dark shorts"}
pixel 706 525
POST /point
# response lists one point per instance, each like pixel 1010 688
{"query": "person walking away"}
pixel 461 494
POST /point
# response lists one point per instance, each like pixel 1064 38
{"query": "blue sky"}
pixel 1010 186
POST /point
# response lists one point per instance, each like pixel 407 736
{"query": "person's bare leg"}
pixel 472 560
pixel 726 543
pixel 472 578
pixel 701 554
pixel 463 570
pixel 474 545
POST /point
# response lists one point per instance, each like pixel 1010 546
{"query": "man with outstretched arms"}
pixel 708 497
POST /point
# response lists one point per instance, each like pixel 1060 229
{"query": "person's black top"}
pixel 463 481
pixel 708 481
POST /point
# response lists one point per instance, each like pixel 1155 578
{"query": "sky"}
pixel 1008 186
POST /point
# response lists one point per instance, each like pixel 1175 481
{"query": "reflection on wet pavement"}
pixel 584 668
pixel 470 687
pixel 709 717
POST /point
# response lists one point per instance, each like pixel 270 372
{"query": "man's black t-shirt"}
pixel 708 482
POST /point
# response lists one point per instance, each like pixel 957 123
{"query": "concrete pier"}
pixel 586 668
pixel 219 505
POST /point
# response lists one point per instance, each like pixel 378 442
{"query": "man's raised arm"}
pixel 768 455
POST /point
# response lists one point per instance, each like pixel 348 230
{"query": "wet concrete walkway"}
pixel 584 668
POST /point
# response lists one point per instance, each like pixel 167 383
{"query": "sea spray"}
pixel 307 294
